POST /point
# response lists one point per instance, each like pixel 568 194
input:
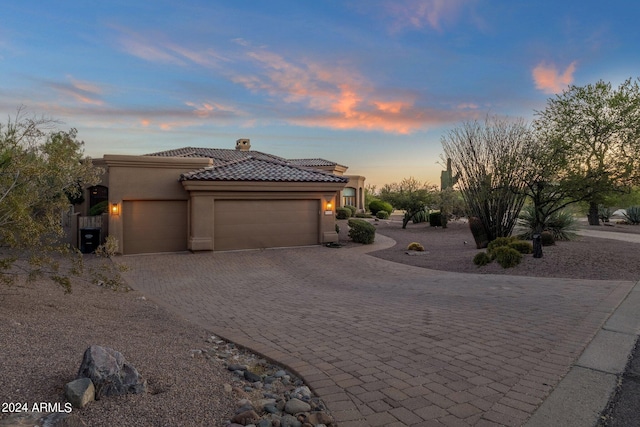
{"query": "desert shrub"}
pixel 633 215
pixel 382 215
pixel 604 213
pixel 364 215
pixel 99 208
pixel 479 233
pixel 420 216
pixel 497 243
pixel 353 209
pixel 337 229
pixel 378 205
pixel 522 246
pixel 561 224
pixel 435 219
pixel 547 238
pixel 415 246
pixel 343 213
pixel 481 258
pixel 507 257
pixel 361 231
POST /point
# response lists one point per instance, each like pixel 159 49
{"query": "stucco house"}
pixel 212 199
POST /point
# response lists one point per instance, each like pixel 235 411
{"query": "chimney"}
pixel 243 144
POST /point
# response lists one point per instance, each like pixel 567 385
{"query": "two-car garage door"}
pixel 161 226
pixel 253 224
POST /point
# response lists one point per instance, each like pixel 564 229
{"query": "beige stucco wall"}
pixel 356 182
pixel 145 178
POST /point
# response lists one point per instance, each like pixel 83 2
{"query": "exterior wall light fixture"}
pixel 115 209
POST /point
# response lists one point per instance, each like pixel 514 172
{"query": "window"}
pixel 349 196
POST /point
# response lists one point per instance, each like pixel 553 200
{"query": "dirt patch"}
pixel 453 249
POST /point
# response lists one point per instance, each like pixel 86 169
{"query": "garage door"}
pixel 253 224
pixel 154 226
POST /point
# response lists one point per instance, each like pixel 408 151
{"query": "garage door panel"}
pixel 154 226
pixel 249 224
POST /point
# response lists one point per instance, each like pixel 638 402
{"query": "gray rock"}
pixel 53 419
pixel 236 367
pixel 317 418
pixel 80 392
pixel 290 421
pixel 245 417
pixel 302 392
pixel 264 423
pixel 251 377
pixel 295 406
pixel 110 373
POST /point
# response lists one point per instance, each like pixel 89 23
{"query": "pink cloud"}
pixel 549 80
pixel 336 97
pixel 84 92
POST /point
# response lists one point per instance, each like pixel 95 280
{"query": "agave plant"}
pixel 633 215
pixel 560 224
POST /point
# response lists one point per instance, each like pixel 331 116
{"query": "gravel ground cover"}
pixel 44 332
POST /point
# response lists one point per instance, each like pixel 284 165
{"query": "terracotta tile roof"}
pixel 312 162
pixel 256 169
pixel 221 155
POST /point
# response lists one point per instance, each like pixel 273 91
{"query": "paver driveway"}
pixel 389 344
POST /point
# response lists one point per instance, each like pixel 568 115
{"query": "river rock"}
pixel 295 406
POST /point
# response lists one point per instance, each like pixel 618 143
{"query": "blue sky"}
pixel 371 84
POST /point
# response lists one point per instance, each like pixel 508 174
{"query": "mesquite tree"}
pixel 592 134
pixel 489 159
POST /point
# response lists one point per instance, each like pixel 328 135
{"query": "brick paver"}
pixel 384 343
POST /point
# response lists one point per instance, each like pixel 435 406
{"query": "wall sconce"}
pixel 115 209
pixel 329 206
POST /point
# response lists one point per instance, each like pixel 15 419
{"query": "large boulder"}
pixel 110 373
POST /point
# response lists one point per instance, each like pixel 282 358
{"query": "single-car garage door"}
pixel 154 226
pixel 253 224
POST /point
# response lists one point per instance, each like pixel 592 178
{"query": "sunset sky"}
pixel 370 84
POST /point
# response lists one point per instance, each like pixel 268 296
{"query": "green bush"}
pixel 353 209
pixel 507 257
pixel 435 219
pixel 337 229
pixel 420 216
pixel 522 246
pixel 364 215
pixel 382 215
pixel 481 258
pixel 633 215
pixel 343 213
pixel 415 246
pixel 361 231
pixel 99 208
pixel 378 205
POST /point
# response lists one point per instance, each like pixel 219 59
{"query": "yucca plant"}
pixel 560 224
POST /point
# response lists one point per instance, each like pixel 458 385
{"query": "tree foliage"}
pixel 590 138
pixel 40 168
pixel 409 195
pixel 489 160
